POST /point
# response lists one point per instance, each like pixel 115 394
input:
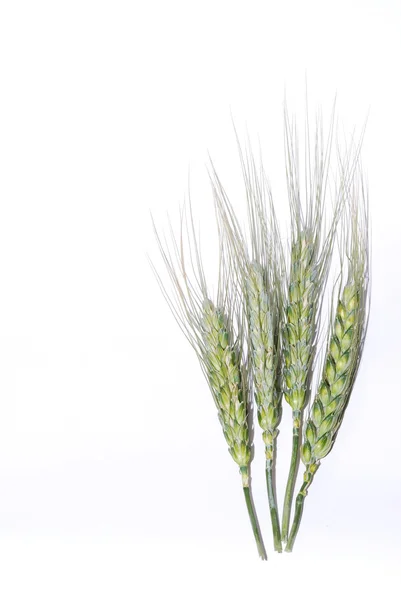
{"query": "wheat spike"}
pixel 264 359
pixel 343 353
pixel 260 265
pixel 299 328
pixel 337 377
pixel 265 354
pixel 224 373
pixel 216 333
pixel 311 252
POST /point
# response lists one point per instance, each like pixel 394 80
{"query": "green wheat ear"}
pixel 311 252
pixel 333 392
pixel 265 354
pixel 258 257
pixel 343 355
pixel 263 336
pixel 216 333
pixel 224 373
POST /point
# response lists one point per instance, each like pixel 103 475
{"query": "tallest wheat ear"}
pixel 310 258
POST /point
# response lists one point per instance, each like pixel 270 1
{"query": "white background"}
pixel 115 481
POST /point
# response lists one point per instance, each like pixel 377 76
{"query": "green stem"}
pixel 254 522
pixel 299 507
pixel 289 491
pixel 273 507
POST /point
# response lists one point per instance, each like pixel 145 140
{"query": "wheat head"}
pixel 216 332
pixel 263 336
pixel 224 374
pixel 344 348
pixel 311 252
pixel 257 254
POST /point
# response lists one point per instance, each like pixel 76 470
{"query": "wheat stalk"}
pixel 343 354
pixel 311 252
pixel 265 351
pixel 215 331
pixel 260 270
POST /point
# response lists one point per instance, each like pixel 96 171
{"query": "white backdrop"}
pixel 115 481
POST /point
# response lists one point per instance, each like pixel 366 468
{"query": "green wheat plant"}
pixel 259 261
pixel 344 349
pixel 216 332
pixel 311 253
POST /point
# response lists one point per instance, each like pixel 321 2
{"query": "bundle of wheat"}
pixel 257 341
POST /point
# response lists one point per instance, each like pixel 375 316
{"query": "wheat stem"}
pixel 294 465
pixel 274 517
pixel 254 522
pixel 299 507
